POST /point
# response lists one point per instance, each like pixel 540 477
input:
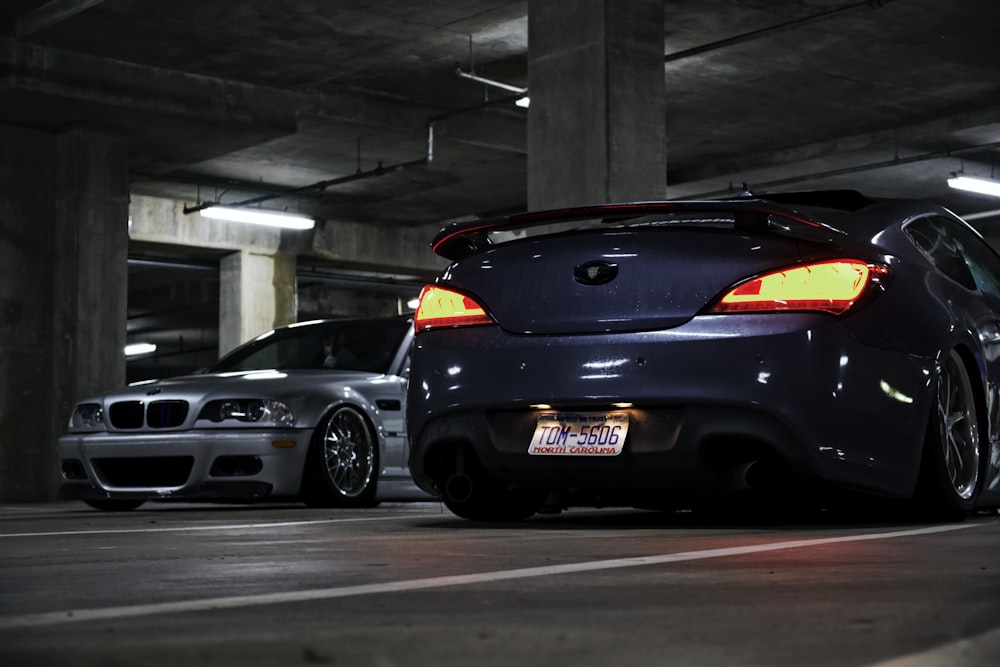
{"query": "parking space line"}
pixel 224 527
pixel 131 611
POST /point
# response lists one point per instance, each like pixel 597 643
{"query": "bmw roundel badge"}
pixel 596 272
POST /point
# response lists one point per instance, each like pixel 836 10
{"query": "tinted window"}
pixel 982 260
pixel 942 243
pixel 349 345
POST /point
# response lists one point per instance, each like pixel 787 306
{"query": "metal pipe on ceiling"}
pixel 765 32
pixel 380 170
pixel 856 169
pixel 490 82
pixel 381 282
pixel 518 91
pixel 187 264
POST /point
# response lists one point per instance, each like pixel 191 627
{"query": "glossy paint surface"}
pixel 843 399
pixel 308 393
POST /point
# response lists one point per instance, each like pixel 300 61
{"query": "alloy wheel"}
pixel 959 432
pixel 349 452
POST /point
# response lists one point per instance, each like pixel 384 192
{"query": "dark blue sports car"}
pixel 660 354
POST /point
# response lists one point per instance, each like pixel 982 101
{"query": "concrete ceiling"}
pixel 324 106
pixel 233 100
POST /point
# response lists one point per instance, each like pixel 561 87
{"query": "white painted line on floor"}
pixel 220 528
pixel 131 611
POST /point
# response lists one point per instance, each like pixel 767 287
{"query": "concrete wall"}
pixel 63 245
pixel 258 287
pixel 351 244
pixel 27 221
pixel 256 294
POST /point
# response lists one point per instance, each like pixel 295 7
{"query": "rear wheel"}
pixel 472 493
pixel 342 462
pixel 951 467
pixel 114 505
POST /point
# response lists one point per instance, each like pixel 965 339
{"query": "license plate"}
pixel 579 434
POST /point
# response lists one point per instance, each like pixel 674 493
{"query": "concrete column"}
pixel 63 251
pixel 27 229
pixel 256 294
pixel 597 121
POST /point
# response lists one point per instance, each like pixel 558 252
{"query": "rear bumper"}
pixel 796 389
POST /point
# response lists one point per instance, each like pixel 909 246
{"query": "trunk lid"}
pixel 624 279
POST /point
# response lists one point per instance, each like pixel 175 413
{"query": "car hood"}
pixel 262 383
pixel 177 403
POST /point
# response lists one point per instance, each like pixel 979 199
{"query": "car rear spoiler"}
pixel 462 238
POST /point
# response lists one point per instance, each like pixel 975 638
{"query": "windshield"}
pixel 353 345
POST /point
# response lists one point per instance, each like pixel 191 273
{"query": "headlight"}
pixel 87 416
pixel 251 410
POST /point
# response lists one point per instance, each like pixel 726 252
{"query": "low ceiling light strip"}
pixel 771 30
pixel 522 100
pixel 259 217
pixel 135 349
pixel 981 186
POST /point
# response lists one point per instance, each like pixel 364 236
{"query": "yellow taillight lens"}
pixel 831 286
pixel 440 307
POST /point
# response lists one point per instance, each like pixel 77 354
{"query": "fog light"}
pixel 73 469
pixel 236 466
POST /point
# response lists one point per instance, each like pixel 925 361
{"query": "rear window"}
pixel 958 252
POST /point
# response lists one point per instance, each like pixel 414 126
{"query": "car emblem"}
pixel 597 272
pixel 153 391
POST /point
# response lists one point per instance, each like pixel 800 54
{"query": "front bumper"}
pixel 208 465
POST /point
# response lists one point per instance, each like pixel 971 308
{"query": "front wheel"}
pixel 342 462
pixel 950 470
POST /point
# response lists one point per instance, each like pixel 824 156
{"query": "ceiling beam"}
pixel 145 91
pixel 912 137
pixel 50 13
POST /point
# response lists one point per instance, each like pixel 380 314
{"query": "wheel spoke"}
pixel 348 453
pixel 960 435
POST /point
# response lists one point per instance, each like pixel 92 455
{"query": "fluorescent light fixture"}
pixel 523 102
pixel 135 349
pixel 979 185
pixel 256 216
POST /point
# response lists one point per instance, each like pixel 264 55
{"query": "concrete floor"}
pixel 409 584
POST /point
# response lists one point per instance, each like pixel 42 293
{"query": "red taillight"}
pixel 440 307
pixel 831 287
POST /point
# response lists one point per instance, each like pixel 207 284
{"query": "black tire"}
pixel 342 462
pixel 114 505
pixel 471 493
pixel 951 465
